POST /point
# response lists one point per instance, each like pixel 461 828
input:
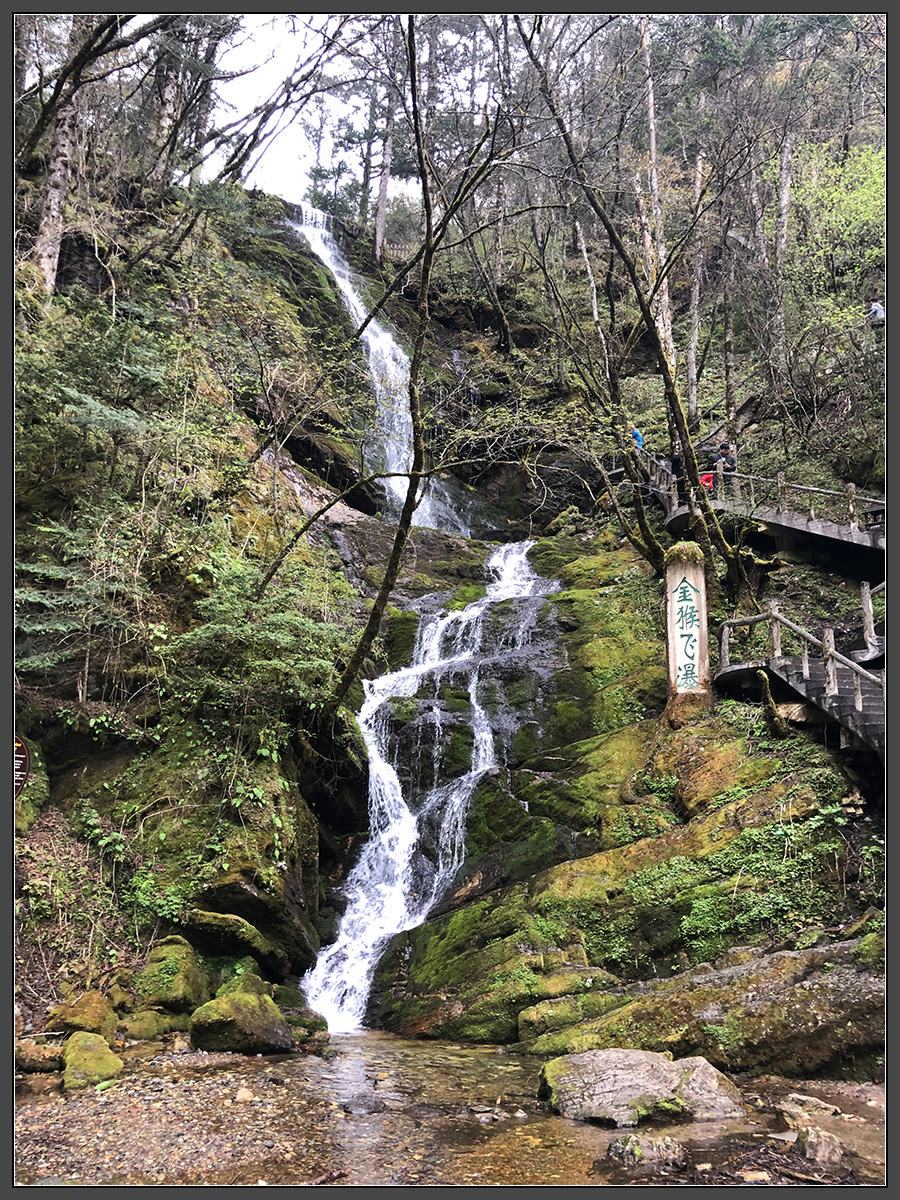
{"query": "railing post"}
pixel 737 484
pixel 865 595
pixel 752 493
pixel 851 505
pixel 724 647
pixel 831 688
pixel 720 480
pixel 804 659
pixel 780 492
pixel 857 692
pixel 774 630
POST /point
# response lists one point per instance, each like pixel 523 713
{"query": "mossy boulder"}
pixel 143 1026
pixel 88 1061
pixel 246 983
pixel 227 933
pixel 90 1012
pixel 172 977
pixel 241 1022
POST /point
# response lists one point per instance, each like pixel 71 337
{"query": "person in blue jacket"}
pixel 637 437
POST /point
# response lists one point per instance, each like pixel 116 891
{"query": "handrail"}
pixel 830 655
pixel 755 490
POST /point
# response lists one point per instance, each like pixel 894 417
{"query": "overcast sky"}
pixel 270 47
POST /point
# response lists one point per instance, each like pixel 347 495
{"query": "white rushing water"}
pixel 416 828
pixel 415 848
pixel 389 446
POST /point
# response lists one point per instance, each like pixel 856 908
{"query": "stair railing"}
pixel 830 656
pixel 750 491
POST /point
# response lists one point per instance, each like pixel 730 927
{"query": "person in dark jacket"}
pixel 678 472
pixel 724 461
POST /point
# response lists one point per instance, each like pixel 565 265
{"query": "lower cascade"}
pixel 417 814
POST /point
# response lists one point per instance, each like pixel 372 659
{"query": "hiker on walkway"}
pixel 725 462
pixel 875 315
pixel 637 437
pixel 678 472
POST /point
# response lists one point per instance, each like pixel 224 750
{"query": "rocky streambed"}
pixel 379 1110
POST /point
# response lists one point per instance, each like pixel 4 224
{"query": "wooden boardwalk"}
pixel 785 510
pixel 847 689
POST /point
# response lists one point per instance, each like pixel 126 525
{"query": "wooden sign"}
pixel 21 764
pixel 687 650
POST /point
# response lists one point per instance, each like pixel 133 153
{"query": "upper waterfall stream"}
pixel 388 448
pixel 418 797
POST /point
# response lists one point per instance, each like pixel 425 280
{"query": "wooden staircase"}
pixel 846 692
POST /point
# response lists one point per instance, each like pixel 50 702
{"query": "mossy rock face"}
pixel 279 903
pixel 227 933
pixel 90 1012
pixel 88 1061
pixel 756 858
pixel 243 1023
pixel 795 1013
pixel 172 978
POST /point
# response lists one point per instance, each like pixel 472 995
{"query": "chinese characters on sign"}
pixel 687 647
pixel 21 761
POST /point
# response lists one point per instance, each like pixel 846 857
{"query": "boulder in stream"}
pixel 88 1061
pixel 625 1087
pixel 242 1022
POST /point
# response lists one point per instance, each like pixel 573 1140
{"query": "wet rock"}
pixel 796 1111
pixel 363 1104
pixel 88 1061
pixel 632 1150
pixel 34 1056
pixel 241 1022
pixel 172 978
pixel 90 1012
pixel 819 1146
pixel 625 1087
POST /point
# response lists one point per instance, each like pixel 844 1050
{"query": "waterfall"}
pixel 388 449
pixel 416 828
pixel 417 840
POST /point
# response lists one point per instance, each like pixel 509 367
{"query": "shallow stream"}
pixel 385 1111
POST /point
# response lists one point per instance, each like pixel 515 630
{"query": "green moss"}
pixel 465 595
pixel 871 949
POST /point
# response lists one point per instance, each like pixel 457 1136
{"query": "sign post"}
pixel 687 643
pixel 21 760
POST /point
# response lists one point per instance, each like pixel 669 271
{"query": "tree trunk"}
pixel 661 281
pixel 159 176
pixel 696 270
pixel 381 210
pixel 785 178
pixel 59 174
pixel 595 311
pixel 757 228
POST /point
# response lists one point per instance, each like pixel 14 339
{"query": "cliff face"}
pixel 167 453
